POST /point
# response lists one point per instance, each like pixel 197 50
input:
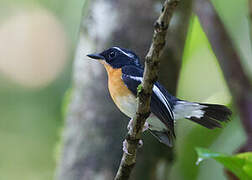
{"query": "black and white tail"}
pixel 207 115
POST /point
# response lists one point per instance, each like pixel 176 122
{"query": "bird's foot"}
pixel 146 126
pixel 140 143
pixel 125 146
pixel 130 126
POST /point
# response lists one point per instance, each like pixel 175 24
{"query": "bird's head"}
pixel 117 57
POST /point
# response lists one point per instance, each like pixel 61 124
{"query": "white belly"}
pixel 127 104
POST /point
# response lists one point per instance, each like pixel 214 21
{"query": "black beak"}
pixel 95 56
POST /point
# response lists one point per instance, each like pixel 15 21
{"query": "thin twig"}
pixel 144 93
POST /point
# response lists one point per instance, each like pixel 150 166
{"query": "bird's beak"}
pixel 95 56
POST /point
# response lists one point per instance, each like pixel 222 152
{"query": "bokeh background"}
pixel 38 42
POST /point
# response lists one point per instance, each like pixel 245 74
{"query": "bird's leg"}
pixel 146 126
pixel 125 145
pixel 130 129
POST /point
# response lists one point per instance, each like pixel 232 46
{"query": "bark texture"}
pixel 94 128
pixel 150 76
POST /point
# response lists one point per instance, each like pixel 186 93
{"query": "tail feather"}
pixel 218 112
pixel 208 115
pixel 206 122
pixel 213 115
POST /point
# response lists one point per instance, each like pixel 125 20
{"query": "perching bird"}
pixel 125 73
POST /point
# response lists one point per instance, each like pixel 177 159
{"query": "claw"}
pixel 125 145
pixel 140 144
pixel 130 126
pixel 146 126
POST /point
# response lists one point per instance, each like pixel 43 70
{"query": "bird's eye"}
pixel 112 55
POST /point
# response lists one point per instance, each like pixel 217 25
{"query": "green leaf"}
pixel 240 164
pixel 139 88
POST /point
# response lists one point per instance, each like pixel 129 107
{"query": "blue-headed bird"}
pixel 125 73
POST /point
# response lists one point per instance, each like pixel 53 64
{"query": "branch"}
pixel 230 63
pixel 144 93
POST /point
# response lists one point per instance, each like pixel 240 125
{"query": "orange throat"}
pixel 115 82
pixel 119 92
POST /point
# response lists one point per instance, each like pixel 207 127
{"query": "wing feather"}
pixel 160 105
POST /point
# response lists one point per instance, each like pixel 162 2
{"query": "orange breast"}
pixel 119 92
pixel 115 82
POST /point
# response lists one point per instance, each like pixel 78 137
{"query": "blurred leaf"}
pixel 66 101
pixel 200 80
pixel 240 164
pixel 201 76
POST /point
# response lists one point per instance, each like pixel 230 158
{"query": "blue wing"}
pixel 161 101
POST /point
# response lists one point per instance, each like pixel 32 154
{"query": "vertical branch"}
pixel 230 63
pixel 144 93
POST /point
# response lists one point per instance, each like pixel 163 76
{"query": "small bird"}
pixel 125 73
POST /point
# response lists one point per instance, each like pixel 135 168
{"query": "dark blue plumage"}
pixel 126 57
pixel 164 107
pixel 132 78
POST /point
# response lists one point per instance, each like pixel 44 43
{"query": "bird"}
pixel 125 74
